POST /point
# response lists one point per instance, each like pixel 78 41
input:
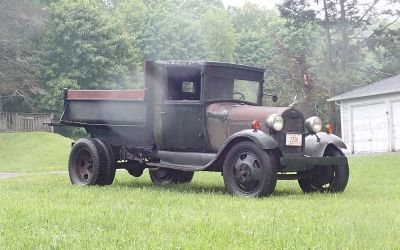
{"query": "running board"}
pixel 176 166
pixel 185 161
pixel 185 158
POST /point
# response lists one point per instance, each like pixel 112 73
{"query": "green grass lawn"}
pixel 44 211
pixel 33 152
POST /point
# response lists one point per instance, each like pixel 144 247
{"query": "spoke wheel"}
pixel 323 179
pixel 249 171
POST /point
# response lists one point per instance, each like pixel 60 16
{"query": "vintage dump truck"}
pixel 201 116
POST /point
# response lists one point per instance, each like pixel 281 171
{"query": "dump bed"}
pixel 104 107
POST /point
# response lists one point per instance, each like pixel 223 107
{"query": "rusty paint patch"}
pixel 138 95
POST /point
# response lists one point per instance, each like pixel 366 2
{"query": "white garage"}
pixel 370 117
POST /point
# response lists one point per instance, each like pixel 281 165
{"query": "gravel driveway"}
pixel 8 175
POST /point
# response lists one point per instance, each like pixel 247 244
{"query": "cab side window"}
pixel 183 83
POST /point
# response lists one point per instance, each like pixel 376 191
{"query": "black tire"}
pixel 166 176
pixel 85 163
pixel 136 170
pixel 108 160
pixel 185 176
pixel 326 178
pixel 249 171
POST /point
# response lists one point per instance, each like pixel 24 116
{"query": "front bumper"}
pixel 303 163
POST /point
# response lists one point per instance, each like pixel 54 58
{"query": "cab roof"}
pixel 208 63
pixel 219 68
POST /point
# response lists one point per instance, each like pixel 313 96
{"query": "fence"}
pixel 15 122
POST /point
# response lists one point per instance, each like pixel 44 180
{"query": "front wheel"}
pixel 332 178
pixel 249 171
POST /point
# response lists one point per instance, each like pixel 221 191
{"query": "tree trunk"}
pixel 305 78
pixel 345 39
pixel 328 36
pixel 1 104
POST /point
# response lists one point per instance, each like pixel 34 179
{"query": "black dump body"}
pixel 119 116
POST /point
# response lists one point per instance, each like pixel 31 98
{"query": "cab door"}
pixel 182 126
pixel 181 112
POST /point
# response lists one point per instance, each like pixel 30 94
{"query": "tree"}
pixel 218 35
pixel 172 30
pixel 286 49
pixel 82 48
pixel 20 29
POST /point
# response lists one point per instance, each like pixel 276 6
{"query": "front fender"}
pixel 260 138
pixel 315 145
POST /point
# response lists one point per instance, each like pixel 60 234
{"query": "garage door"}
pixel 396 125
pixel 370 128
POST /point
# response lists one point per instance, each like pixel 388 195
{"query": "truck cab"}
pixel 201 116
pixel 183 109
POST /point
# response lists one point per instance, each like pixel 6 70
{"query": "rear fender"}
pixel 315 145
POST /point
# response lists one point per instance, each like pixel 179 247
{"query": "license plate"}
pixel 294 139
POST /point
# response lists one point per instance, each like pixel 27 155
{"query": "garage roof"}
pixel 389 85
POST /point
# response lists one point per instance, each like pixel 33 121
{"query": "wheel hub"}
pixel 244 171
pixel 247 172
pixel 84 165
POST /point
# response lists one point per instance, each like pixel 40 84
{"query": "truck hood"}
pixel 239 116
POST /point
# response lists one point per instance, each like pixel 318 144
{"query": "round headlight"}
pixel 275 122
pixel 314 124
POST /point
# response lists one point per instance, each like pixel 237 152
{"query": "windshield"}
pixel 219 88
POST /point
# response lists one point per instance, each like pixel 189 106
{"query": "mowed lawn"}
pixel 33 152
pixel 44 211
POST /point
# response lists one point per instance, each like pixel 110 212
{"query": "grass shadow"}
pixel 283 190
pixel 195 188
pixel 204 188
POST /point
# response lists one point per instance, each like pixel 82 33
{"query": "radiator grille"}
pixel 293 123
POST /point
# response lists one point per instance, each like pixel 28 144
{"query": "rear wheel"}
pixel 166 176
pixel 108 160
pixel 249 171
pixel 84 165
pixel 332 178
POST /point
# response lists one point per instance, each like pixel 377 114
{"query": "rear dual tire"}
pixel 91 162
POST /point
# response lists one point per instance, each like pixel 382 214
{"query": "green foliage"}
pixel 384 42
pixel 336 57
pixel 286 52
pixel 170 30
pixel 218 34
pixel 94 44
pixel 20 29
pixel 82 48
